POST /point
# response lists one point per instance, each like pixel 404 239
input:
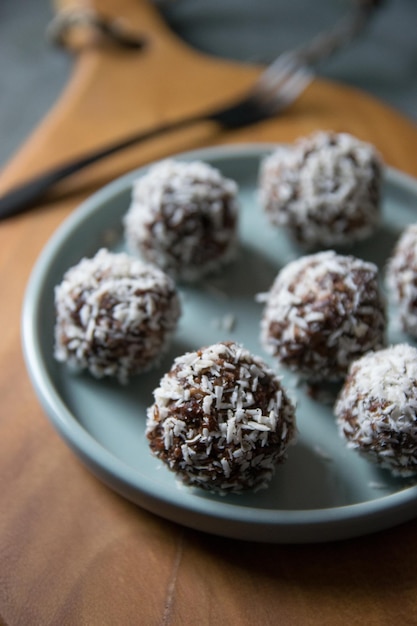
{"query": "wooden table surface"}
pixel 71 550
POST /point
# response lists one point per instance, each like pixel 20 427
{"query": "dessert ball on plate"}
pixel 221 419
pixel 402 279
pixel 323 311
pixel 325 189
pixel 114 315
pixel 183 217
pixel 377 408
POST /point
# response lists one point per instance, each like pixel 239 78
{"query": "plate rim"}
pixel 284 526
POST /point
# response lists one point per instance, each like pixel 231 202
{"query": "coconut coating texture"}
pixel 221 420
pixel 183 217
pixel 114 315
pixel 323 311
pixel 325 189
pixel 401 279
pixel 377 408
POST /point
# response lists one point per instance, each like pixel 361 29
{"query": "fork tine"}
pixel 274 95
pixel 278 70
pixel 321 46
pixel 292 88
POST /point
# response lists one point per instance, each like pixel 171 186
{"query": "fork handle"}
pixel 25 195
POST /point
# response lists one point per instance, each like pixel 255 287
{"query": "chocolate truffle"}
pixel 114 315
pixel 323 311
pixel 183 217
pixel 325 189
pixel 401 279
pixel 377 408
pixel 221 420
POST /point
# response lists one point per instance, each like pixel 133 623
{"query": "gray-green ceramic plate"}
pixel 323 492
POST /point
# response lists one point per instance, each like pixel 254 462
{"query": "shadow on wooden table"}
pixel 366 579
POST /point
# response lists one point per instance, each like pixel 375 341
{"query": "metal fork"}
pixel 276 88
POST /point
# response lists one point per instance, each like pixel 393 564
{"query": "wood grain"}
pixel 73 552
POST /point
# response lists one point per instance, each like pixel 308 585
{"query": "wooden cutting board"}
pixel 73 552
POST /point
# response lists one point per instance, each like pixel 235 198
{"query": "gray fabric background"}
pixel 383 62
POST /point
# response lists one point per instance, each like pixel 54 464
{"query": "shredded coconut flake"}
pixel 401 279
pixel 230 419
pixel 183 217
pixel 114 315
pixel 325 189
pixel 323 311
pixel 376 409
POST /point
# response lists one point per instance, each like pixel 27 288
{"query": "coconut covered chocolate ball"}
pixel 183 217
pixel 377 408
pixel 114 315
pixel 323 311
pixel 221 420
pixel 401 279
pixel 325 189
